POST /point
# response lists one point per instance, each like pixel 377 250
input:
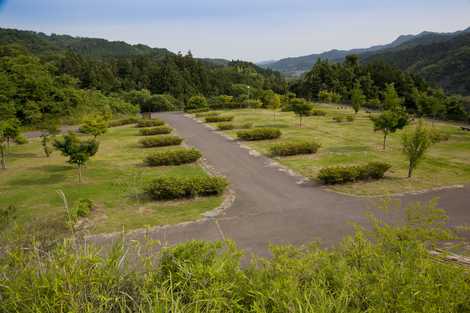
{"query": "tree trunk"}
pixel 385 139
pixel 79 174
pixel 300 121
pixel 3 156
pixel 410 169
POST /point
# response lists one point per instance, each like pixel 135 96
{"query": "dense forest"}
pixel 329 81
pixel 46 77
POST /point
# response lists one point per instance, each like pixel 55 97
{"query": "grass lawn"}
pixel 349 143
pixel 114 181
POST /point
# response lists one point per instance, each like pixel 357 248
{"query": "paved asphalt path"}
pixel 271 206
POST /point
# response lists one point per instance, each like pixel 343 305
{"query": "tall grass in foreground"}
pixel 387 269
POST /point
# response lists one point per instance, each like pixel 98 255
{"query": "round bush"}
pixel 217 119
pixel 294 148
pixel 161 141
pixel 160 130
pixel 173 157
pixel 150 123
pixel 259 134
pixel 170 188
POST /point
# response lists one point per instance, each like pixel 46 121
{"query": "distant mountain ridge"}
pixel 295 66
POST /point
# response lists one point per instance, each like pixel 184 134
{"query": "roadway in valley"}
pixel 271 206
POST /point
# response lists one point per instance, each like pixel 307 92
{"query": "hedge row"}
pixel 294 148
pixel 150 123
pixel 346 174
pixel 197 110
pixel 123 121
pixel 259 134
pixel 207 114
pixel 159 130
pixel 173 157
pixel 170 188
pixel 229 126
pixel 161 141
pixel 217 119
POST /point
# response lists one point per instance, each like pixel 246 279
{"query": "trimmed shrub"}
pixel 217 119
pixel 259 134
pixel 294 148
pixel 150 123
pixel 206 114
pixel 318 113
pixel 338 118
pixel 225 126
pixel 173 157
pixel 346 174
pixel 160 130
pixel 161 141
pixel 350 118
pixel 123 121
pixel 229 126
pixel 171 187
pixel 197 110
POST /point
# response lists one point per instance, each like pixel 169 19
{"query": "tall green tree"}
pixel 357 97
pixel 392 101
pixel 415 143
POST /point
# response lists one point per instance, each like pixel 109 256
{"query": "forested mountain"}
pixel 441 58
pixel 44 45
pixel 296 66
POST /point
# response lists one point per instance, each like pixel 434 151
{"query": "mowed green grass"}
pixel 114 180
pixel 350 143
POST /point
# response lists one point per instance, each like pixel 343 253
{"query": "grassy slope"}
pixel 347 143
pixel 114 180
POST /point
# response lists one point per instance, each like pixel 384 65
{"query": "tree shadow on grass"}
pixel 23 155
pixel 53 168
pixel 34 180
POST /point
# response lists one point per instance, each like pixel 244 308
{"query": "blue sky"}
pixel 253 30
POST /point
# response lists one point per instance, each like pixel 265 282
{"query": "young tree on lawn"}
pixel 415 143
pixel 392 101
pixel 78 152
pixel 51 129
pixel 9 131
pixel 94 126
pixel 389 122
pixel 301 108
pixel 357 97
pixel 275 103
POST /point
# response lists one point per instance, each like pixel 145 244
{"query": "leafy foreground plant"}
pixel 387 269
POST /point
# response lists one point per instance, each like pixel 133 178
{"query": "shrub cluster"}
pixel 123 121
pixel 229 126
pixel 173 157
pixel 259 134
pixel 350 118
pixel 207 114
pixel 150 123
pixel 294 148
pixel 217 119
pixel 159 130
pixel 172 187
pixel 161 141
pixel 346 174
pixel 317 113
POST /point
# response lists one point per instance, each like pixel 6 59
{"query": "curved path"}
pixel 271 206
